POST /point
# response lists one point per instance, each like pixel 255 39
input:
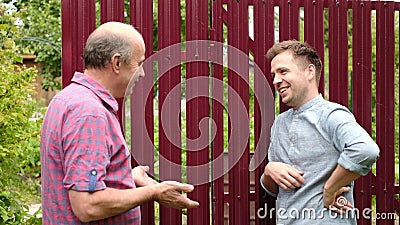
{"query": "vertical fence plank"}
pixel 217 146
pixel 169 27
pixel 362 90
pixel 362 65
pixel 238 96
pixel 338 55
pixel 112 10
pixel 289 20
pixel 142 116
pixel 314 32
pixel 197 109
pixel 78 21
pixel 141 17
pixel 397 186
pixel 68 30
pixel 264 39
pixel 385 109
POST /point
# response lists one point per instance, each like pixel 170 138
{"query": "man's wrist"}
pixel 155 195
pixel 265 188
pixel 328 191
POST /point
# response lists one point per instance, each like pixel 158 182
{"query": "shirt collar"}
pixel 308 104
pixel 96 88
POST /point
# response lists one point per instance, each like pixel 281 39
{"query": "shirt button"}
pixel 93 172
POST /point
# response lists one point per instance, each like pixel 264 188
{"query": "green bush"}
pixel 41 28
pixel 19 131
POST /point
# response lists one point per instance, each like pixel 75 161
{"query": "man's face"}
pixel 133 71
pixel 290 80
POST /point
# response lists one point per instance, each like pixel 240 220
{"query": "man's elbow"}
pixel 84 218
pixel 360 158
pixel 84 213
pixel 82 206
pixel 372 153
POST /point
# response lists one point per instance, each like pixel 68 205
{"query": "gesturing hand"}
pixel 169 195
pixel 284 175
pixel 336 202
pixel 140 176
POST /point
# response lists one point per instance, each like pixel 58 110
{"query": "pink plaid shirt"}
pixel 82 148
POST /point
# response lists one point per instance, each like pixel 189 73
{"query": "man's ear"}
pixel 311 71
pixel 115 62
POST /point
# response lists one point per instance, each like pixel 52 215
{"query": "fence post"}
pixel 362 106
pixel 385 111
pixel 78 21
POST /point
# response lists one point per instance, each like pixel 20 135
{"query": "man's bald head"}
pixel 109 39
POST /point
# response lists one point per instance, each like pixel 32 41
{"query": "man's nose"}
pixel 141 71
pixel 277 79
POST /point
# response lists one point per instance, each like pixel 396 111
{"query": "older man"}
pixel 86 164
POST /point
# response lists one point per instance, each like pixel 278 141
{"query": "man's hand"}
pixel 284 175
pixel 336 202
pixel 335 186
pixel 140 176
pixel 169 195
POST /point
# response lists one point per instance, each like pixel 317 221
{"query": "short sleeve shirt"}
pixel 83 149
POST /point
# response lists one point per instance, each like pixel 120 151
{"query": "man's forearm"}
pixel 339 178
pixel 108 202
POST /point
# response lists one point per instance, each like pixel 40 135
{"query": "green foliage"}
pixel 19 137
pixel 41 26
pixel 11 210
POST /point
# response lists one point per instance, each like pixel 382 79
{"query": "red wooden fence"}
pixel 214 78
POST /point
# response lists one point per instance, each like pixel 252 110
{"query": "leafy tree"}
pixel 19 134
pixel 41 26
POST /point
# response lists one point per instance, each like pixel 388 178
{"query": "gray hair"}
pixel 101 46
